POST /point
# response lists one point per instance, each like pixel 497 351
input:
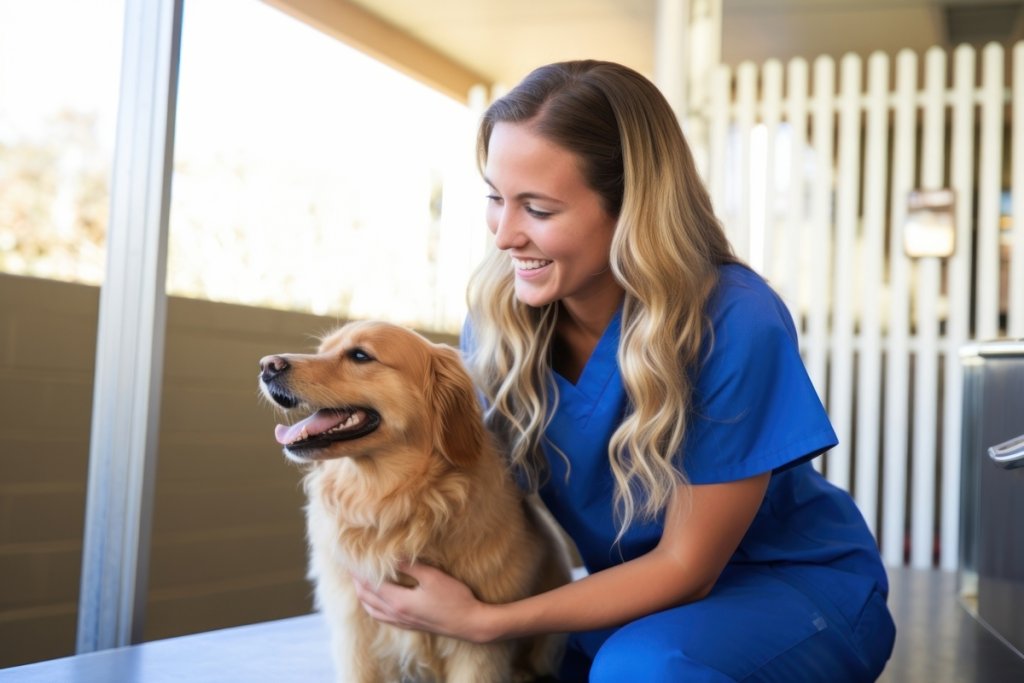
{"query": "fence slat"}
pixel 746 111
pixel 926 325
pixel 872 255
pixel 1015 322
pixel 989 181
pixel 840 402
pixel 765 234
pixel 819 239
pixel 792 259
pixel 897 366
pixel 961 179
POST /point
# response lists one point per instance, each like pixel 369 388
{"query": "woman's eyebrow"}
pixel 527 195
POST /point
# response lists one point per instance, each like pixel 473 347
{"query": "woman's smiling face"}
pixel 552 225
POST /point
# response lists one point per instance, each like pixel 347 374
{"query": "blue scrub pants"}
pixel 756 625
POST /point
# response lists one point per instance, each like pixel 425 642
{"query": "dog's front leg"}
pixel 352 632
pixel 471 663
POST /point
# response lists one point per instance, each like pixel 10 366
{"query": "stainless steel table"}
pixel 283 651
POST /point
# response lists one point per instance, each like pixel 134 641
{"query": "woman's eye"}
pixel 537 213
pixel 360 356
pixel 493 199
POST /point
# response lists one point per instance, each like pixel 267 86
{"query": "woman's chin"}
pixel 531 297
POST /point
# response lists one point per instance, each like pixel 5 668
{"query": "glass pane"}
pixel 59 67
pixel 308 176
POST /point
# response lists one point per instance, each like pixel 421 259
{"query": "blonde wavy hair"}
pixel 665 254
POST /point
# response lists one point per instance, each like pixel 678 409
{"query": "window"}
pixel 58 86
pixel 309 176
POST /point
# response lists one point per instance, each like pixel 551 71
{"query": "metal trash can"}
pixel 991 576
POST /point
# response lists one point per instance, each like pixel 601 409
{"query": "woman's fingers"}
pixel 436 602
pixel 372 602
pixel 382 602
pixel 421 574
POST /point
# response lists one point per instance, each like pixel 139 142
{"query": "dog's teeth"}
pixel 303 435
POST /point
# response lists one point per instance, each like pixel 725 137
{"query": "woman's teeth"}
pixel 529 264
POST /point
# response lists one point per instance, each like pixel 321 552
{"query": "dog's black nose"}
pixel 271 367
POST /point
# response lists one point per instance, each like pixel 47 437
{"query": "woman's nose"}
pixel 507 234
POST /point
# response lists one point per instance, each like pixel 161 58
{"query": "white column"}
pixel 671 26
pixel 130 339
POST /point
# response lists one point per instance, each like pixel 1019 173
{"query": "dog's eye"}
pixel 360 356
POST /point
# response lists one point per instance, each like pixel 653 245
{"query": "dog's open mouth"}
pixel 326 426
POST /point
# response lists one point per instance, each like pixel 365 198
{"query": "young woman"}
pixel 650 387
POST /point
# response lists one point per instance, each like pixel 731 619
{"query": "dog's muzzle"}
pixel 308 438
pixel 271 370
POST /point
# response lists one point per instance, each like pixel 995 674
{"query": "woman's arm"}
pixel 703 526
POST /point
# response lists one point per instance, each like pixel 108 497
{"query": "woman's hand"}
pixel 438 604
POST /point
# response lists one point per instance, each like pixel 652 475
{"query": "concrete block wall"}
pixel 228 543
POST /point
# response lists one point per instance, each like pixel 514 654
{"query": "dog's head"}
pixel 373 388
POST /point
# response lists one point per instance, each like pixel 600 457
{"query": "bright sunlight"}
pixel 307 176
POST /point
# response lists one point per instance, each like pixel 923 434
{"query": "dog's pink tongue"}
pixel 317 423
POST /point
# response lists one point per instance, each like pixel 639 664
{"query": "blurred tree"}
pixel 54 198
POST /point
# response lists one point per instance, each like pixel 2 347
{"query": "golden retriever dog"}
pixel 401 468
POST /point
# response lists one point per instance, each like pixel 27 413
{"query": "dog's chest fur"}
pixel 370 534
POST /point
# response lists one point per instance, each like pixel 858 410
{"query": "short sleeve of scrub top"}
pixel 754 407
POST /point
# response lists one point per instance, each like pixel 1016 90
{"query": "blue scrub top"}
pixel 754 410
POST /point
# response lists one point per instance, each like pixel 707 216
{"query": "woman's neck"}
pixel 578 330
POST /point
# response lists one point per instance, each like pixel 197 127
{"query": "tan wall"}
pixel 47 348
pixel 228 540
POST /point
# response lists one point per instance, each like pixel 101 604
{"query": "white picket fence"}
pixel 811 182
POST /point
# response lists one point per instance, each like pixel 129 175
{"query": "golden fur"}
pixel 410 475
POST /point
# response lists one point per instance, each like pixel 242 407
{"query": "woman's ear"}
pixel 458 424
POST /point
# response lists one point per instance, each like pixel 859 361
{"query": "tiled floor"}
pixel 937 641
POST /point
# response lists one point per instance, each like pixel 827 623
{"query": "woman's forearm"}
pixel 614 596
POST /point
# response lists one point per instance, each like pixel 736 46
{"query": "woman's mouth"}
pixel 529 264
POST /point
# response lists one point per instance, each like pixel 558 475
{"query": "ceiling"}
pixel 502 40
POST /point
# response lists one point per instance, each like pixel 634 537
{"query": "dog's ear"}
pixel 458 428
